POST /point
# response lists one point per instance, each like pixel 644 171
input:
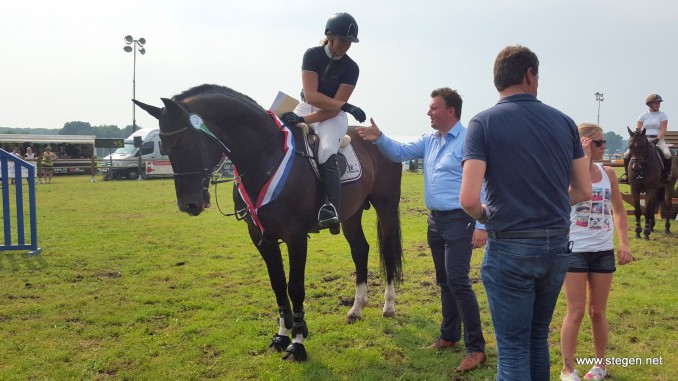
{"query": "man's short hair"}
pixel 451 97
pixel 512 64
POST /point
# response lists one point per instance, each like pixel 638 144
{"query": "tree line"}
pixel 615 143
pixel 75 128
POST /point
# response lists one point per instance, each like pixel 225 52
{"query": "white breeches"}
pixel 660 144
pixel 330 131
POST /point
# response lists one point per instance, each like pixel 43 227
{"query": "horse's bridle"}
pixel 211 177
pixel 641 160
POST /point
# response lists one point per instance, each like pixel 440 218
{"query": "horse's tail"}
pixel 390 241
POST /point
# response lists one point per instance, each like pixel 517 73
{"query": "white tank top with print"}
pixel 592 225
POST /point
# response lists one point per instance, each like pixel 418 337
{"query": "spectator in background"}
pixel 10 165
pixel 29 153
pixel 48 158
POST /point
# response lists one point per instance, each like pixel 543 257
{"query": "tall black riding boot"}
pixel 328 214
pixel 624 178
pixel 667 169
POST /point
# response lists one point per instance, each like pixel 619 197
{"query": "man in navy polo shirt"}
pixel 531 158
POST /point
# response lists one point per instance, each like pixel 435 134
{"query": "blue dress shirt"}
pixel 442 164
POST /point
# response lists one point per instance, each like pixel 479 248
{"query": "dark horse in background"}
pixel 237 127
pixel 645 176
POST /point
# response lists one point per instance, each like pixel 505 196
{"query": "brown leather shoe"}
pixel 471 361
pixel 441 344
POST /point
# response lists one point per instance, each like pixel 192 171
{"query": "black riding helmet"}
pixel 343 26
pixel 653 98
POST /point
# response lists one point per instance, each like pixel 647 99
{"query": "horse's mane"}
pixel 214 89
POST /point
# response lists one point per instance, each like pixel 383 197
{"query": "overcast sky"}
pixel 64 61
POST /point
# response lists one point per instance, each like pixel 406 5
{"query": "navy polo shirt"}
pixel 528 148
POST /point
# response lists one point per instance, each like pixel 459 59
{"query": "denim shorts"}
pixel 593 262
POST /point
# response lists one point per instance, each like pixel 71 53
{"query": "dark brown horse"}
pixel 202 125
pixel 645 176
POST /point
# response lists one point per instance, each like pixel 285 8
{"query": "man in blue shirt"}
pixel 452 234
pixel 530 159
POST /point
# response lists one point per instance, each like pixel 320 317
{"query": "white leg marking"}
pixel 299 339
pixel 356 312
pixel 389 301
pixel 282 331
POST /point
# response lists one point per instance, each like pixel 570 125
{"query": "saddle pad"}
pixel 353 168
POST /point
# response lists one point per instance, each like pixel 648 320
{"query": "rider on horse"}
pixel 329 77
pixel 655 123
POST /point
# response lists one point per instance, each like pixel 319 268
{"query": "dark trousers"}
pixel 449 237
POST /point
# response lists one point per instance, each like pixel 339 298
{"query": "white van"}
pixel 124 162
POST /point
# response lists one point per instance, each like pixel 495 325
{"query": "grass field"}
pixel 128 288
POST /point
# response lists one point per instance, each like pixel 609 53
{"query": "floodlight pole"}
pixel 599 98
pixel 136 45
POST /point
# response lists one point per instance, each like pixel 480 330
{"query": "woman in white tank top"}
pixel 591 231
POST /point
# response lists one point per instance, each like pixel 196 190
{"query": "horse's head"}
pixel 639 146
pixel 192 153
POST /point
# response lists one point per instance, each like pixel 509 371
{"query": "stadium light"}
pixel 135 45
pixel 599 98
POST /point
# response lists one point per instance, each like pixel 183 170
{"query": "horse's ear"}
pixel 154 111
pixel 630 132
pixel 643 131
pixel 173 109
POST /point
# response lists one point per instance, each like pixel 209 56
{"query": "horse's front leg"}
pixel 297 249
pixel 637 212
pixel 650 206
pixel 270 252
pixel 353 231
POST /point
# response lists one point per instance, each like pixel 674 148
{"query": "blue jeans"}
pixel 450 239
pixel 522 278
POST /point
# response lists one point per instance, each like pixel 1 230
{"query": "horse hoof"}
pixel 350 319
pixel 279 343
pixel 388 314
pixel 295 352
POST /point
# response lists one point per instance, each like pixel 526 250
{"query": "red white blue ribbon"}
pixel 271 190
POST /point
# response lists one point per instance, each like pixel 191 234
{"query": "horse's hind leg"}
pixel 668 206
pixel 353 231
pixel 390 249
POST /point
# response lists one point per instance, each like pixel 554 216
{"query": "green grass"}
pixel 128 288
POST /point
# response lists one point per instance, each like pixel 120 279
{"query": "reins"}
pixel 211 178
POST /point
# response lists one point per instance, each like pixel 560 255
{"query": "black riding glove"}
pixel 654 141
pixel 291 119
pixel 357 113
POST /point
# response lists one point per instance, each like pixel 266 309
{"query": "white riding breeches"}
pixel 330 131
pixel 666 152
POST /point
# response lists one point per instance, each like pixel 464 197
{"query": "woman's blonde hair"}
pixel 588 129
pixel 326 40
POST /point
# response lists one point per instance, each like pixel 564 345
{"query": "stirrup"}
pixel 327 209
pixel 624 179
